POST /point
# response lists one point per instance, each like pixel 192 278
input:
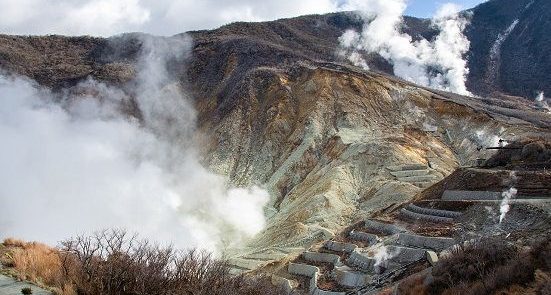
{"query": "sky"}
pixel 162 17
pixel 426 8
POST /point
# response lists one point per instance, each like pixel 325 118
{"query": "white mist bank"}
pixel 77 164
pixel 159 17
pixel 438 63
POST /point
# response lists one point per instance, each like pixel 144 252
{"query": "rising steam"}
pixel 438 63
pixel 540 97
pixel 75 164
pixel 505 206
pixel 508 195
pixel 541 103
pixel 381 256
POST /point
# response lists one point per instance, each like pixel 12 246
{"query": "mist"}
pixel 437 63
pixel 159 17
pixel 541 102
pixel 382 255
pixel 76 163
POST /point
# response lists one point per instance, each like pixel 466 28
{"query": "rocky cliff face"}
pixel 332 143
pixel 326 139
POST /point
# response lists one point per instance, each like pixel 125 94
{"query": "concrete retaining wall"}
pixel 313 288
pixel 470 195
pixel 431 218
pixel 351 279
pixel 302 269
pixel 340 247
pixel 371 239
pixel 361 261
pixel 410 173
pixel 322 257
pixel 404 255
pixel 407 167
pixel 434 243
pixel 425 178
pixel 313 273
pixel 435 212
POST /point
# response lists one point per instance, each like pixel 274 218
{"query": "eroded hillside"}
pixel 329 142
pixel 277 108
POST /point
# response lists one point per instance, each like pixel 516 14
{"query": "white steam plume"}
pixel 540 97
pixel 438 63
pixel 540 102
pixel 76 164
pixel 505 206
pixel 508 195
pixel 381 256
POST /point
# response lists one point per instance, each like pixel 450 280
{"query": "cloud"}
pixel 74 163
pixel 160 17
pixel 437 63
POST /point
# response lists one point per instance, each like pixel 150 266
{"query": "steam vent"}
pixel 236 147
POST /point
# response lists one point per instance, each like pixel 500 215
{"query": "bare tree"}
pixel 112 262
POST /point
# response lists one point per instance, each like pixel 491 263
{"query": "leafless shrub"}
pixel 114 262
pixel 488 266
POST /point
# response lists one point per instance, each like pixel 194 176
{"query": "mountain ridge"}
pixel 315 37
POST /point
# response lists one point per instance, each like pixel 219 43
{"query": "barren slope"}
pixel 331 143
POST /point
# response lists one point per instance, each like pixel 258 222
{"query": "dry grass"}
pixel 37 263
pixel 11 242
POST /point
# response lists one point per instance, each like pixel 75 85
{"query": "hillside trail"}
pixel 10 286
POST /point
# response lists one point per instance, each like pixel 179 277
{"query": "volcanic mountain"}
pixel 278 107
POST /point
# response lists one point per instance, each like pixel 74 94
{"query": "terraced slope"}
pixel 331 142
